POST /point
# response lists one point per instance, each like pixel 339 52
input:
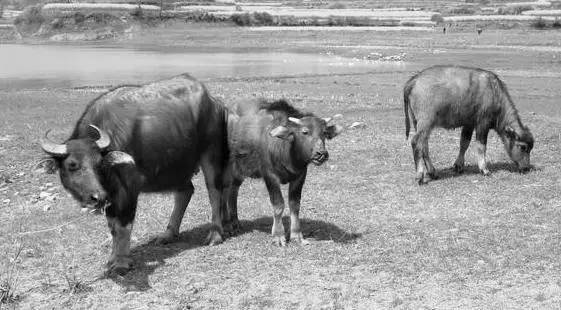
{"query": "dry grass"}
pixel 379 240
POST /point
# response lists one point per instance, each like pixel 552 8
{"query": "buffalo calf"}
pixel 274 141
pixel 471 98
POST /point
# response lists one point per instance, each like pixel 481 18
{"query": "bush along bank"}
pixel 83 22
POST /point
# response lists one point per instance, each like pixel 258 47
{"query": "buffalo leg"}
pixel 232 184
pixel 275 195
pixel 182 199
pixel 430 167
pixel 212 170
pixel 294 196
pixel 465 139
pixel 120 261
pixel 233 191
pixel 418 143
pixel 481 137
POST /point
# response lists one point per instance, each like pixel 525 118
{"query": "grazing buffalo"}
pixel 274 141
pixel 471 98
pixel 149 138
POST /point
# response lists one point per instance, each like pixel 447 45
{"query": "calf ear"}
pixel 511 133
pixel 332 131
pixel 118 158
pixel 280 132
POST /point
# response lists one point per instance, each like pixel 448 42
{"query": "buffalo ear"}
pixel 48 164
pixel 332 131
pixel 114 158
pixel 280 132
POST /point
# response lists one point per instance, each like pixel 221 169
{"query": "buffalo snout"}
pixel 320 157
pixel 95 200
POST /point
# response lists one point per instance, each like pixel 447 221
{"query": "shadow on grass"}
pixel 149 256
pixel 449 173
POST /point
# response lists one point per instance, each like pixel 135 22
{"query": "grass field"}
pixel 379 241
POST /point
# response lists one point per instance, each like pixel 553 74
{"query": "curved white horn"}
pixel 118 158
pixel 295 120
pixel 52 148
pixel 104 140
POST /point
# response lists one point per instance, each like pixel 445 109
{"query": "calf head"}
pixel 81 164
pixel 519 144
pixel 308 136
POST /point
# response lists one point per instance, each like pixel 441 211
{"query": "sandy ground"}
pixel 379 241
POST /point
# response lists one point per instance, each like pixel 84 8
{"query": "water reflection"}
pixel 44 66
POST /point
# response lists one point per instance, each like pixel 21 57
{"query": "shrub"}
pixel 241 19
pixel 464 10
pixel 137 13
pixel 556 23
pixel 254 19
pixel 437 18
pixel 79 18
pixel 31 16
pixel 57 23
pixel 263 18
pixel 337 6
pixel 539 23
pixel 513 10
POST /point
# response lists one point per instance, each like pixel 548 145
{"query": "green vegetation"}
pixel 253 19
pixel 31 16
pixel 513 10
pixel 539 23
pixel 337 6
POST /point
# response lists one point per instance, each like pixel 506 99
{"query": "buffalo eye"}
pixel 73 166
pixel 305 131
pixel 523 147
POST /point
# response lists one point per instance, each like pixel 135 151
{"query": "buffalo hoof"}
pixel 119 265
pixel 433 176
pixel 279 241
pixel 298 238
pixel 214 238
pixel 459 169
pixel 164 238
pixel 485 172
pixel 232 228
pixel 422 181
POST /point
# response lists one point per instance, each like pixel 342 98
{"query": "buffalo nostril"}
pixel 95 197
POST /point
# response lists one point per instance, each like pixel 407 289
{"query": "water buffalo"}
pixel 471 98
pixel 148 138
pixel 274 141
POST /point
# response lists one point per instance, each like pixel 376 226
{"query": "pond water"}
pixel 47 66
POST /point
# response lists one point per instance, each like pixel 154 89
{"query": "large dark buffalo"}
pixel 471 98
pixel 149 138
pixel 274 141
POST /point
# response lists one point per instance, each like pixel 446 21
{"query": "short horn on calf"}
pixel 103 141
pixel 295 120
pixel 52 148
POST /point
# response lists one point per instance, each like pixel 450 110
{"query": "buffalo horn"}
pixel 296 121
pixel 51 148
pixel 104 140
pixel 119 158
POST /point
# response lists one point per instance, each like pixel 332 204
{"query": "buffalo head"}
pixel 308 136
pixel 82 163
pixel 518 146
